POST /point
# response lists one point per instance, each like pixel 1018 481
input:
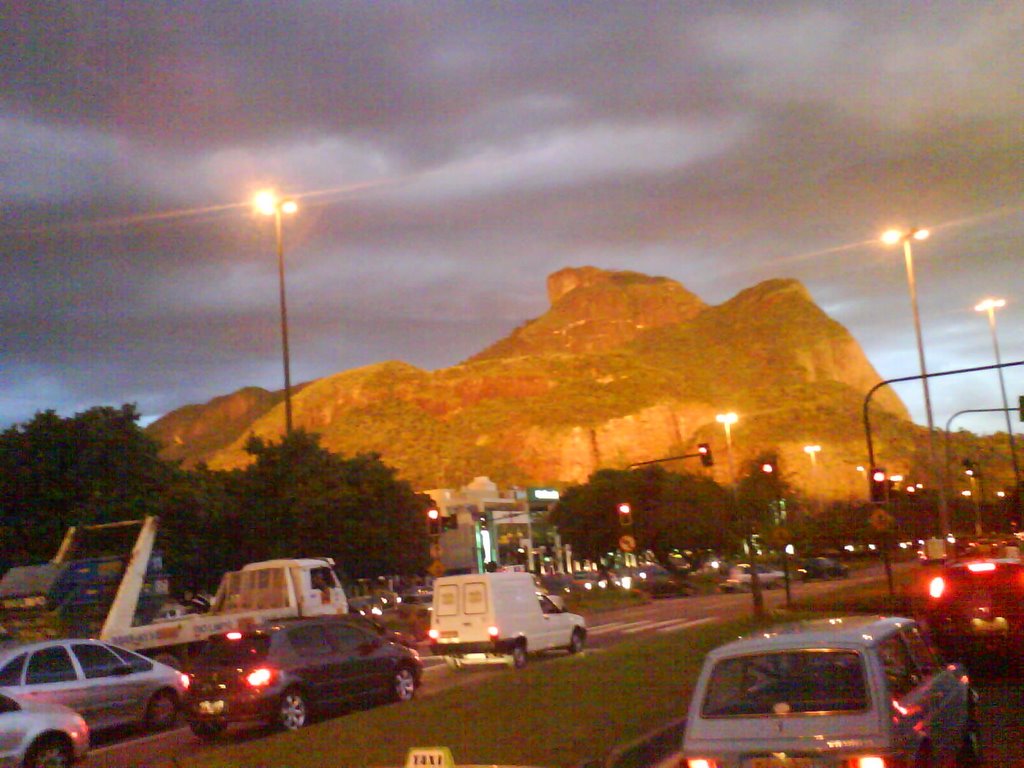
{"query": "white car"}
pixel 738 579
pixel 853 692
pixel 109 686
pixel 36 735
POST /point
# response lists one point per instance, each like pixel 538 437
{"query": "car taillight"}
pixel 936 587
pixel 492 631
pixel 434 634
pixel 186 680
pixel 259 678
pixel 871 761
pixel 981 567
pixel 233 635
pixel 701 762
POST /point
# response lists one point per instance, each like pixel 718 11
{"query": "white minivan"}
pixel 488 618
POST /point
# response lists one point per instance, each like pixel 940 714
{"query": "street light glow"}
pixel 810 450
pixel 988 304
pixel 893 236
pixel 727 418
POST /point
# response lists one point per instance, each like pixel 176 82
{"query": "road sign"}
pixel 627 543
pixel 881 520
pixel 435 550
pixel 437 569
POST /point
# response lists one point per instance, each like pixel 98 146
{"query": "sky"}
pixel 447 156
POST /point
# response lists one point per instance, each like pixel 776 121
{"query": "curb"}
pixel 656 749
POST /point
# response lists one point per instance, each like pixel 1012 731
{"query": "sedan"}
pixel 107 685
pixel 822 568
pixel 739 579
pixel 281 674
pixel 36 735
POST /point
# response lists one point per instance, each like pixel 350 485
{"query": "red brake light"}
pixel 936 587
pixel 700 762
pixel 492 631
pixel 433 634
pixel 870 762
pixel 260 677
pixel 981 567
pixel 233 635
pixel 186 681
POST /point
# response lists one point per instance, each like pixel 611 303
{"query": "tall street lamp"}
pixel 268 203
pixel 813 451
pixel 892 237
pixel 990 306
pixel 727 420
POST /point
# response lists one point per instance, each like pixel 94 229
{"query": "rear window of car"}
pixel 786 682
pixel 244 650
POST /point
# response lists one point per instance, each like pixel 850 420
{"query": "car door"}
pixel 313 660
pixel 946 694
pixel 51 676
pixel 361 666
pixel 557 627
pixel 118 693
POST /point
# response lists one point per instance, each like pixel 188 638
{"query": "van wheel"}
pixel 576 642
pixel 518 658
pixel 453 662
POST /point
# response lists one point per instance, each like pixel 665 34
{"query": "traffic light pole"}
pixel 943 509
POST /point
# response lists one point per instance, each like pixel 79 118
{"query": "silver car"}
pixel 854 692
pixel 34 735
pixel 107 685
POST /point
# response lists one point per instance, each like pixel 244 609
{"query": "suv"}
pixel 976 605
pixel 280 674
pixel 831 693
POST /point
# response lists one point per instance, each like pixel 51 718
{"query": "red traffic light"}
pixel 625 514
pixel 433 514
pixel 878 475
pixel 767 467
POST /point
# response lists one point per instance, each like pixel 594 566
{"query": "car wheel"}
pixel 517 659
pixel 49 752
pixel 207 729
pixel 292 712
pixel 403 684
pixel 576 642
pixel 453 662
pixel 161 711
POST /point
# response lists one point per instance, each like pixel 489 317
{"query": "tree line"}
pixel 295 499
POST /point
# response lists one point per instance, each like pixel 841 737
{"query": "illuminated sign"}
pixel 543 494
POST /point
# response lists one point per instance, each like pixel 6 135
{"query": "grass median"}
pixel 559 712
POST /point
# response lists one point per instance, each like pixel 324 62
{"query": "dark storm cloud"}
pixel 449 155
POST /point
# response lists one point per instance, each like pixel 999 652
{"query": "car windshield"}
pixel 247 649
pixel 786 682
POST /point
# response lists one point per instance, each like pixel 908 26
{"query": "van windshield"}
pixel 786 682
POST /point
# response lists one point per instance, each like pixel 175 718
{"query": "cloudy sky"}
pixel 448 156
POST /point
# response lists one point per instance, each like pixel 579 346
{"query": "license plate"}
pixel 780 762
pixel 450 634
pixel 211 707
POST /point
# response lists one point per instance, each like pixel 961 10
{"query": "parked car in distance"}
pixel 654 579
pixel 831 693
pixel 822 568
pixel 281 674
pixel 109 686
pixel 38 735
pixel 738 579
pixel 975 605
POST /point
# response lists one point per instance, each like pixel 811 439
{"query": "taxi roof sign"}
pixel 429 757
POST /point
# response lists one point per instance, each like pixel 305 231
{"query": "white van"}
pixel 488 618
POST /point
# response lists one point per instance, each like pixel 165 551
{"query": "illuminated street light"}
pixel 989 306
pixel 727 420
pixel 892 237
pixel 268 203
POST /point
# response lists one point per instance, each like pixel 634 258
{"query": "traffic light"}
pixel 450 523
pixel 625 514
pixel 705 455
pixel 433 522
pixel 768 468
pixel 879 485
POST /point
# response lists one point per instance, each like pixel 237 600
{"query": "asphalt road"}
pixel 1001 687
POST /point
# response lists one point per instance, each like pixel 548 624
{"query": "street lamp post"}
pixel 990 306
pixel 812 451
pixel 892 237
pixel 727 420
pixel 269 204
